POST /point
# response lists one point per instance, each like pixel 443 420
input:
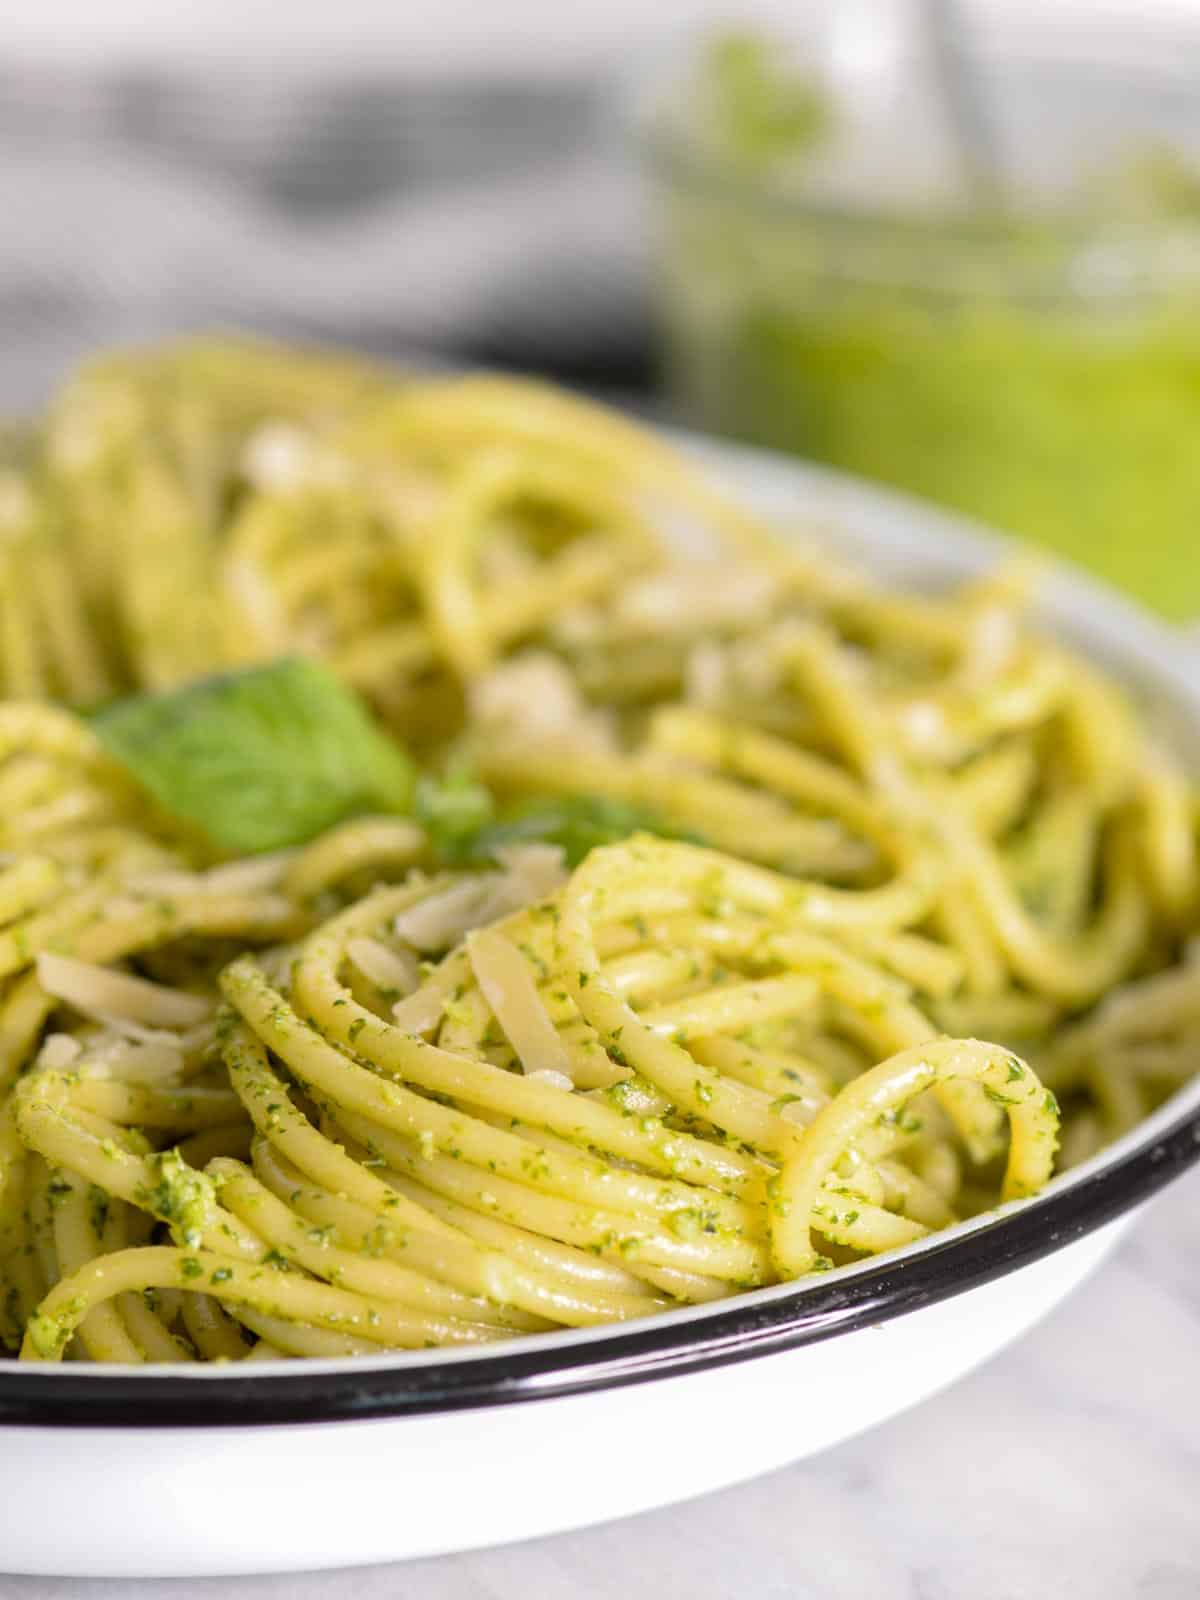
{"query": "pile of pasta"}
pixel 307 502
pixel 369 1093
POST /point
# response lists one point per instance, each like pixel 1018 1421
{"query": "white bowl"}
pixel 288 1466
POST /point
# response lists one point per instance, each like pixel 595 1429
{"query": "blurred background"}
pixel 952 246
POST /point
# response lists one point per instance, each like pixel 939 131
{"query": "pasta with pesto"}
pixel 678 910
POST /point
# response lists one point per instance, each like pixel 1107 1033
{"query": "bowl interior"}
pixel 918 547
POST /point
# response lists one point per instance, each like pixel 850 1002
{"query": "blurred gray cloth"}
pixel 490 220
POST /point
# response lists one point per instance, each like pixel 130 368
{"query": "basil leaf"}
pixel 578 823
pixel 261 759
pixel 454 811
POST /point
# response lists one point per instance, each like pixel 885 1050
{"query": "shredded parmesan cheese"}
pixel 281 457
pixel 552 1079
pixel 529 873
pixel 508 987
pixel 153 1058
pixel 705 595
pixel 386 967
pixel 146 1055
pixel 258 874
pixel 441 920
pixel 117 996
pixel 535 698
pixel 58 1051
pixel 420 1012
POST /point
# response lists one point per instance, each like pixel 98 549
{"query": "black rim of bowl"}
pixel 740 1330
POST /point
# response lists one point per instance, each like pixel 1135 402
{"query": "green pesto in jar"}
pixel 1043 377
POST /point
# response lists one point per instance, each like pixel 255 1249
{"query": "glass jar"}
pixel 1034 362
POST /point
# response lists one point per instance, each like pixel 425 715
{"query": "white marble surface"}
pixel 1067 1469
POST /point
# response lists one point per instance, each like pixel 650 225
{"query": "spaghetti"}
pixel 673 979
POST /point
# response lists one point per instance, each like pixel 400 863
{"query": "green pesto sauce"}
pixel 1074 433
pixel 182 1197
pixel 46 1334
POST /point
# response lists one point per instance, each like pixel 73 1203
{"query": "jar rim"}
pixel 1167 56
